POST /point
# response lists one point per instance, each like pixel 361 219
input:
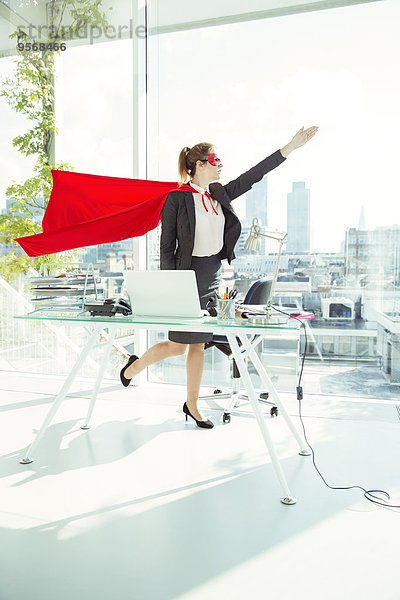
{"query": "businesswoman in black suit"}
pixel 198 230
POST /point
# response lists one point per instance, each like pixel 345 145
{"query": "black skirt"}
pixel 208 272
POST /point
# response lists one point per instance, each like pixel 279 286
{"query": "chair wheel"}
pixel 274 411
pixel 226 417
pixel 264 395
pixel 217 391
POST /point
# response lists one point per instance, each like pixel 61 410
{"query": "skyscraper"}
pixel 361 221
pixel 256 207
pixel 256 202
pixel 298 218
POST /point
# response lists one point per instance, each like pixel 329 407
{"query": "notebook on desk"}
pixel 163 294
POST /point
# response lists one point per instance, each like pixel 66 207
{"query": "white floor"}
pixel 145 507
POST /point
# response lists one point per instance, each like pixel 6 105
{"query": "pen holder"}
pixel 226 309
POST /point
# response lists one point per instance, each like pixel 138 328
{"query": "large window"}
pixel 94 111
pixel 94 104
pixel 248 87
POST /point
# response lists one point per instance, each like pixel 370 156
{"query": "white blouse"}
pixel 210 223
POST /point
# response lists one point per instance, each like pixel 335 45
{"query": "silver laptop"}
pixel 163 293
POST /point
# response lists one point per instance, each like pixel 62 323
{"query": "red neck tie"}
pixel 209 199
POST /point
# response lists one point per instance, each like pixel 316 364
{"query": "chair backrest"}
pixel 259 291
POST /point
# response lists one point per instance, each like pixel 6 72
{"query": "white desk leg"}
pixel 287 498
pixel 61 395
pixel 275 396
pixel 310 331
pixel 100 375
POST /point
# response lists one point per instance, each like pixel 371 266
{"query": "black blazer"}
pixel 178 216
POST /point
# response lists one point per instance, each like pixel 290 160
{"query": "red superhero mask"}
pixel 214 160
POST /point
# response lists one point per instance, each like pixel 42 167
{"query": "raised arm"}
pixel 244 182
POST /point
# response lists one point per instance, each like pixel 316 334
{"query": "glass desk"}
pixel 242 336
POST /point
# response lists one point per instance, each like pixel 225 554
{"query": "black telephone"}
pixel 108 308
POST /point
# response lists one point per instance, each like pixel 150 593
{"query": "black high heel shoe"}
pixel 125 382
pixel 204 424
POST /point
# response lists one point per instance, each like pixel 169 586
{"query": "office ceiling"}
pixel 163 16
pixel 176 15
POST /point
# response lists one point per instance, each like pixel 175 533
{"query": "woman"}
pixel 198 230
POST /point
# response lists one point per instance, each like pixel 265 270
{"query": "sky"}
pixel 247 88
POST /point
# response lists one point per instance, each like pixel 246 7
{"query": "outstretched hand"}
pixel 303 136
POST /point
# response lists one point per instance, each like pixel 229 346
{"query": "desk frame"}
pixel 240 353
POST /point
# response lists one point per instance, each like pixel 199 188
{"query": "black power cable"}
pixel 368 494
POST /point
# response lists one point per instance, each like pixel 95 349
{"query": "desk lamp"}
pixel 253 242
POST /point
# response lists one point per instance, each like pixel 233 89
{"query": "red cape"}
pixel 84 210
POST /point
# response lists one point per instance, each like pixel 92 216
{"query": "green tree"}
pixel 30 92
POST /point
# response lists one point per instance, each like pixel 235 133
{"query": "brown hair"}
pixel 189 156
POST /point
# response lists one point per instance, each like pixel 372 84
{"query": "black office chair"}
pixel 257 294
